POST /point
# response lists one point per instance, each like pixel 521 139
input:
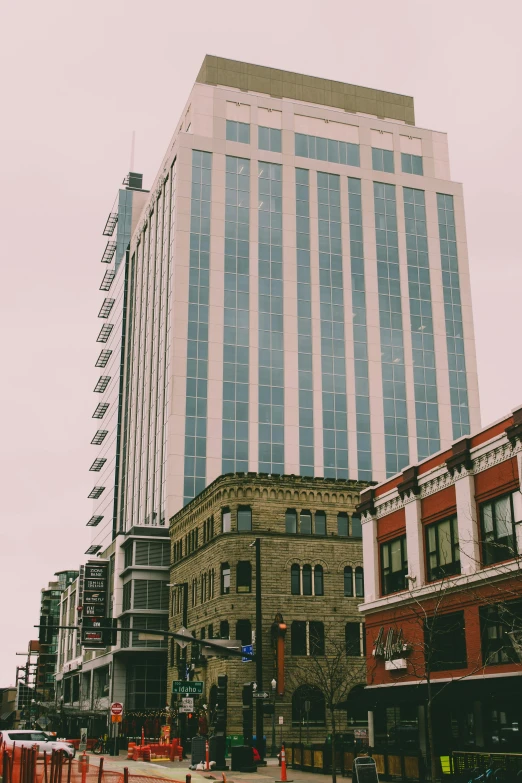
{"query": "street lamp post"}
pixel 274 749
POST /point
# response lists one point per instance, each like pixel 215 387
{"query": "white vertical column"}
pixel 414 541
pixel 467 523
pixel 370 558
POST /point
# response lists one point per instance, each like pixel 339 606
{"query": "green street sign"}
pixel 187 687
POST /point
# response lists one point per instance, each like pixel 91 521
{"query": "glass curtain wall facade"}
pixel 304 323
pixel 392 342
pixel 271 356
pixel 236 337
pixel 453 315
pixel 333 361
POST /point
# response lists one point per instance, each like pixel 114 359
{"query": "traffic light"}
pixel 110 636
pixel 47 629
pixel 221 705
pixel 248 712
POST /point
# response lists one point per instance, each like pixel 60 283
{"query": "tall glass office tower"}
pixel 291 296
pixel 300 292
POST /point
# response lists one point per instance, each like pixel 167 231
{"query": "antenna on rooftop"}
pixel 131 167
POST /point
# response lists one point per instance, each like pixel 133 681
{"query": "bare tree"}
pixel 331 671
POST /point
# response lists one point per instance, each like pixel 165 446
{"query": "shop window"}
pixel 320 523
pixel 359 582
pixel 442 549
pixel 394 565
pixel 445 642
pixel 291 520
pixel 225 579
pixel 244 518
pixel 244 577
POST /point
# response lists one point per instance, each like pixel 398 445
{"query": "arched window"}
pixel 225 578
pixel 359 582
pixel 291 520
pixel 295 579
pixel 348 582
pixel 307 580
pixel 316 713
pixel 318 580
pixel 244 577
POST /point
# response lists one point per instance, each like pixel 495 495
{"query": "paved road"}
pixel 177 771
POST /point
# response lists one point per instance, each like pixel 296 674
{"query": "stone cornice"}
pixel 483 457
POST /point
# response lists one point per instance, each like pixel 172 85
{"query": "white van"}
pixel 24 738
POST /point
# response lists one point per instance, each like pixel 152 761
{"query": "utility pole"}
pixel 259 652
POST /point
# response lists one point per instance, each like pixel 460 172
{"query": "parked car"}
pixel 24 738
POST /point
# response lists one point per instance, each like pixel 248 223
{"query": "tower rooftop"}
pixel 311 89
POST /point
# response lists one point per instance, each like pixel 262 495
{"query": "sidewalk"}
pixel 177 770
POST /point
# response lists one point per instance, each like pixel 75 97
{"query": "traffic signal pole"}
pixel 259 652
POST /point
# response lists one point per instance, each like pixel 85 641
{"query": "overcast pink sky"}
pixel 77 78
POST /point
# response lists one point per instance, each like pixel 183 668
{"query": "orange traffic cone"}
pixel 284 778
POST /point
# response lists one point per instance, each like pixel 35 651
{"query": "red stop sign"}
pixel 116 708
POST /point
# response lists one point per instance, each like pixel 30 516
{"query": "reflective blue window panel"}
pixel 390 319
pixel 197 343
pixel 360 337
pixel 236 316
pixel 333 361
pixel 304 323
pixel 271 373
pixel 453 314
pixel 327 149
pixel 423 346
pixel 123 226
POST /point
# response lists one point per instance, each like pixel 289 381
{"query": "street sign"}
pixel 247 648
pixel 280 720
pixel 188 703
pixel 183 631
pixel 83 740
pixel 185 686
pixel 116 718
pixel 260 695
pixel 93 601
pixel 116 708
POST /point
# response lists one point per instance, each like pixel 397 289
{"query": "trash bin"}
pixel 198 750
pixel 242 759
pixel 216 746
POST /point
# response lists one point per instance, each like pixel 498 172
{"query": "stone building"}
pixel 311 575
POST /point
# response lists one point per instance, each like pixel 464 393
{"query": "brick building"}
pixel 311 574
pixel 443 595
